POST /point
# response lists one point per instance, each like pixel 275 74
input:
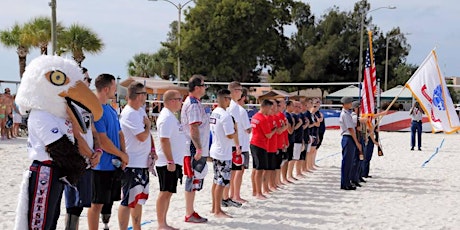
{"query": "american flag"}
pixel 369 84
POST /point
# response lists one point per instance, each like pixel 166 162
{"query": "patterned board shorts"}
pixel 222 172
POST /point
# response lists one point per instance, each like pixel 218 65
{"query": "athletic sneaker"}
pixel 233 203
pixel 224 203
pixel 195 218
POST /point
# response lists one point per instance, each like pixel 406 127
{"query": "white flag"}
pixel 429 88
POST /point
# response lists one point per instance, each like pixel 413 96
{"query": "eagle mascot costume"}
pixel 48 87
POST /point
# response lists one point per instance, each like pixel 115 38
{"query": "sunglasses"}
pixel 143 93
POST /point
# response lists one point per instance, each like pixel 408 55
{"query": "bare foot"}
pixel 261 197
pixel 222 214
pixel 240 200
pixel 166 227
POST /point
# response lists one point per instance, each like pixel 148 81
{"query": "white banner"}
pixel 429 88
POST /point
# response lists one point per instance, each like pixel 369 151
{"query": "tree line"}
pixel 236 39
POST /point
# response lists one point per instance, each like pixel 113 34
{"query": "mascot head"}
pixel 51 83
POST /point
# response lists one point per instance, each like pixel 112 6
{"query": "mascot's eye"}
pixel 57 77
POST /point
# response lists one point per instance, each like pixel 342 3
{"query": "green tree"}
pixel 142 65
pixel 78 39
pixel 233 39
pixel 14 38
pixel 147 65
pixel 38 33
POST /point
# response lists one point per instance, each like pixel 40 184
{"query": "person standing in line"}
pixel 308 127
pixel 261 132
pixel 89 142
pixel 236 90
pixel 223 131
pixel 135 126
pixel 106 177
pixel 315 123
pixel 298 142
pixel 349 143
pixel 268 183
pixel 170 156
pixel 361 132
pixel 196 126
pixel 282 141
pixel 2 116
pixel 416 113
pixel 290 140
pixel 244 142
pixel 322 128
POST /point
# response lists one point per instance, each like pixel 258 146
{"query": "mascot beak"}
pixel 83 97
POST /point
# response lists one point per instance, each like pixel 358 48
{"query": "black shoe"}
pixel 225 203
pixel 362 180
pixel 350 187
pixel 412 149
pixel 367 176
pixel 419 149
pixel 356 184
pixel 233 203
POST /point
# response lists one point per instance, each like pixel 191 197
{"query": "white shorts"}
pixel 17 118
pixel 297 150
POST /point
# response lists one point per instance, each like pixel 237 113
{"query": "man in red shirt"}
pixel 261 132
pixel 272 150
pixel 283 141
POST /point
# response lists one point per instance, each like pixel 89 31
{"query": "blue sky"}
pixel 128 27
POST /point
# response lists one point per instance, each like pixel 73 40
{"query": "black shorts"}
pixel 271 161
pixel 279 159
pixel 236 167
pixel 106 186
pixel 168 180
pixel 315 141
pixel 303 155
pixel 321 136
pixel 259 158
pixel 82 197
pixel 290 151
pixel 44 197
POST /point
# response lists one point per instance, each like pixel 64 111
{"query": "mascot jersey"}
pixel 109 125
pixel 44 129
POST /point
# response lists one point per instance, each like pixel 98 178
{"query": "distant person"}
pixel 416 114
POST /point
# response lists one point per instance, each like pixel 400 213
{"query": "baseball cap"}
pixel 355 104
pixel 346 100
pixel 237 159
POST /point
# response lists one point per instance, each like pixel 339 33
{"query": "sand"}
pixel 401 195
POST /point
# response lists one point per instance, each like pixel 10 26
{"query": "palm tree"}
pixel 78 39
pixel 142 65
pixel 14 38
pixel 38 32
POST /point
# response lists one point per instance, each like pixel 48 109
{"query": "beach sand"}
pixel 401 195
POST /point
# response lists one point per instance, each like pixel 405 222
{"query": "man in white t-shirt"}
pixel 232 197
pixel 135 126
pixel 223 131
pixel 170 153
pixel 195 121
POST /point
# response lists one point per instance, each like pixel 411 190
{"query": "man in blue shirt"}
pixel 106 177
